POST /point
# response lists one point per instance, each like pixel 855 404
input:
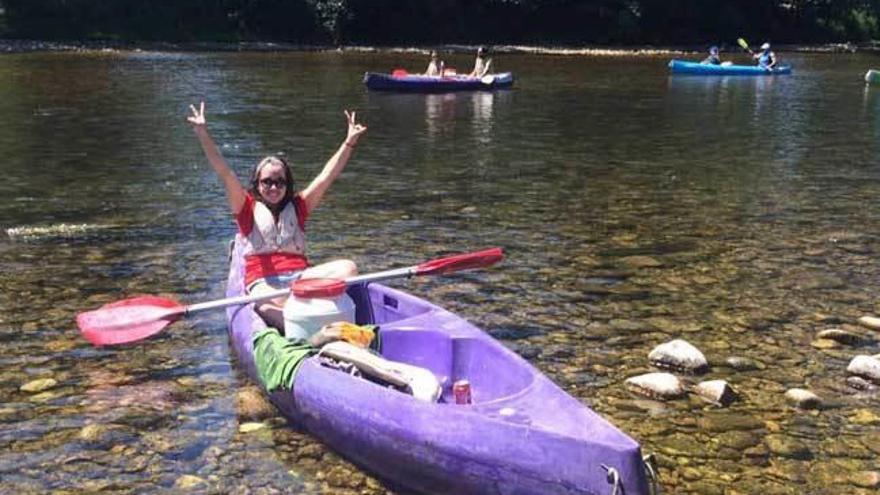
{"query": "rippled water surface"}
pixel 740 214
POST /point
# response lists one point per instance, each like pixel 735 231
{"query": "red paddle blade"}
pixel 478 259
pixel 128 320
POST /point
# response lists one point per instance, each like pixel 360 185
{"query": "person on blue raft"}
pixel 713 58
pixel 766 58
pixel 435 66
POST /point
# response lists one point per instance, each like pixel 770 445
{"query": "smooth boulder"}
pixel 716 391
pixel 679 355
pixel 865 367
pixel 803 399
pixel 860 383
pixel 657 385
pixel 842 336
pixel 871 322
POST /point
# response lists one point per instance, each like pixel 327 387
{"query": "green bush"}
pixel 447 21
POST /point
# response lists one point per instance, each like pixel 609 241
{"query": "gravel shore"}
pixel 24 46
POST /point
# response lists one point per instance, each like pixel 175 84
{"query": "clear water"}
pixel 634 207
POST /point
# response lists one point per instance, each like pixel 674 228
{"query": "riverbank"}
pixel 25 46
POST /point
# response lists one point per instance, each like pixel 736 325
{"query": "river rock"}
pixel 739 440
pixel 866 367
pixel 865 479
pixel 342 476
pixel 803 399
pixel 871 322
pixel 189 482
pixel 656 385
pixel 824 344
pixel 93 432
pixel 842 336
pixel 679 355
pixel 827 319
pixel 252 405
pixel 860 383
pixel 865 417
pixel 744 364
pixel 788 447
pixel 38 385
pixel 716 391
pixel 250 427
pixel 620 325
pixel 105 436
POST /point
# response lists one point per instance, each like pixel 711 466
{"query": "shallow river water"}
pixel 739 214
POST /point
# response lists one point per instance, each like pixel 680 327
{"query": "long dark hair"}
pixel 289 192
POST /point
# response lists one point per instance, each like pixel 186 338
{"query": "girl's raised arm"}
pixel 235 192
pixel 313 194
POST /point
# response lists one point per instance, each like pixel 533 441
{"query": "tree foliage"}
pixel 447 21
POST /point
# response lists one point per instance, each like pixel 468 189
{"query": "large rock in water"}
pixel 252 405
pixel 865 366
pixel 871 322
pixel 716 391
pixel 803 399
pixel 657 385
pixel 679 355
pixel 860 383
pixel 842 336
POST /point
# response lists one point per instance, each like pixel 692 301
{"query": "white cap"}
pixel 765 46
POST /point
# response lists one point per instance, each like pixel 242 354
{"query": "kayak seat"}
pixel 426 349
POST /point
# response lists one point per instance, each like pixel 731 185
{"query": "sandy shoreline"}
pixel 26 46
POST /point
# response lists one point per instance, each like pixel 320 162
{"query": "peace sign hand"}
pixel 354 129
pixel 197 119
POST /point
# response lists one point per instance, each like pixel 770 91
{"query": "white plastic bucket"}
pixel 314 303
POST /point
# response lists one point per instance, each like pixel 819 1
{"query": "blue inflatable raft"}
pixel 427 84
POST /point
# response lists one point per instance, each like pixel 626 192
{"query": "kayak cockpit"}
pixel 415 332
pixel 489 370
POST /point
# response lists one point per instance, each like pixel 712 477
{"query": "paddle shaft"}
pixel 235 301
pixel 139 317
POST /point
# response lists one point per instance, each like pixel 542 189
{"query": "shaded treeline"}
pixel 386 22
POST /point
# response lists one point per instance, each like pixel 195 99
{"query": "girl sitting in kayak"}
pixel 271 216
pixel 766 58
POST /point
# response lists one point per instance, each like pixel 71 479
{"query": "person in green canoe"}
pixel 271 216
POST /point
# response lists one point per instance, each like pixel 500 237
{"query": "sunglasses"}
pixel 268 183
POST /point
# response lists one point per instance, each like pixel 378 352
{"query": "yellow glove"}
pixel 360 336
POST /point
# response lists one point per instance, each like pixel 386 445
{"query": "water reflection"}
pixel 439 113
pixel 871 111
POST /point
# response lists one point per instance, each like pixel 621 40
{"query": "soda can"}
pixel 461 389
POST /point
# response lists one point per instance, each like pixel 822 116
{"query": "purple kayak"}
pixel 521 434
pixel 421 83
